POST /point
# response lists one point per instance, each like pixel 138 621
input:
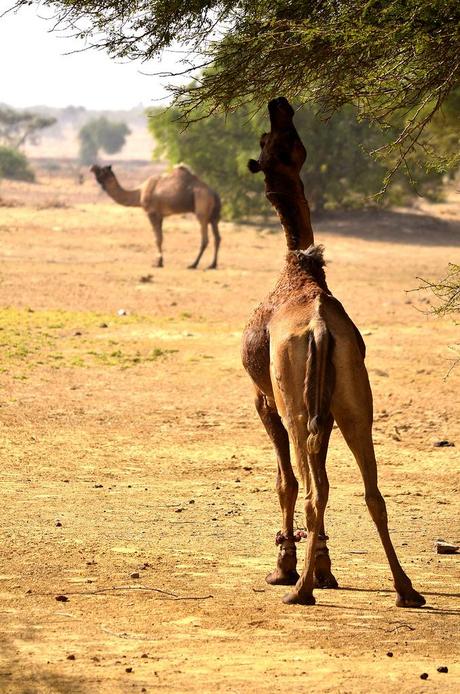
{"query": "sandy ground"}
pixel 130 446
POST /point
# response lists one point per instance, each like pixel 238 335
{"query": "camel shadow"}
pixel 426 608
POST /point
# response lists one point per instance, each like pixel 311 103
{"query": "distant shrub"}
pixel 100 133
pixel 14 165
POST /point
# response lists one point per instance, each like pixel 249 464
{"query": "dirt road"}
pixel 138 482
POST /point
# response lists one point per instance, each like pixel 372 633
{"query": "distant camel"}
pixel 171 193
pixel 306 359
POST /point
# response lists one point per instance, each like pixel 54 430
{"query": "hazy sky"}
pixel 36 71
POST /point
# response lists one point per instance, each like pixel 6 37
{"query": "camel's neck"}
pixel 294 213
pixel 130 198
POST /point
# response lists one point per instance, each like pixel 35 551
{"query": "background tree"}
pixel 15 128
pixel 100 133
pixel 18 126
pixel 338 172
pixel 14 165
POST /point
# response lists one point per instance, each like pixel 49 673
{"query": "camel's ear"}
pixel 254 166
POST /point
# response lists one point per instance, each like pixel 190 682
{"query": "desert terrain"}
pixel 138 483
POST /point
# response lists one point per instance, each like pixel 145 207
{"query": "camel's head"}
pixel 102 174
pixel 282 153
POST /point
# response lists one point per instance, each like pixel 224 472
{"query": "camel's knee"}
pixel 286 485
pixel 377 507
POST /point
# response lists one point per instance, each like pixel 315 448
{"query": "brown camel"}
pixel 171 193
pixel 306 360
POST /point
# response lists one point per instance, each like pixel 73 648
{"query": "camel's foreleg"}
pixel 287 488
pixel 157 225
pixel 352 408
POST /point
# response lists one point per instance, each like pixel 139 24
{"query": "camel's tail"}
pixel 215 215
pixel 319 383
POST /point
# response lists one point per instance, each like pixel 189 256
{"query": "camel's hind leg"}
pixel 157 225
pixel 323 575
pixel 203 208
pixel 288 375
pixel 287 488
pixel 215 233
pixel 204 241
pixel 352 408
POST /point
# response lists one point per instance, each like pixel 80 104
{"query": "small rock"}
pixel 77 333
pixel 179 510
pixel 444 444
pixel 443 547
pixel 443 668
pixel 58 524
pixel 129 669
pixel 62 598
pixel 390 654
pixel 424 676
pixel 192 501
pixel 145 279
pixel 145 655
pixel 103 325
pixel 135 574
pixel 247 468
pixel 122 312
pixel 71 657
pixel 98 486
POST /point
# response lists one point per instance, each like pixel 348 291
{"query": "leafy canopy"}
pixel 386 57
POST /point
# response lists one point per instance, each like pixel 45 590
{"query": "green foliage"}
pixel 446 291
pixel 338 172
pixel 100 133
pixel 14 165
pixel 398 57
pixel 18 126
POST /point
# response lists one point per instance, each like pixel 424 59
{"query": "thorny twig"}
pixel 170 596
pixel 399 625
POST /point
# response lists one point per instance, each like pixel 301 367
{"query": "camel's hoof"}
pixel 191 267
pixel 410 599
pixel 328 581
pixel 158 263
pixel 280 578
pixel 296 598
pixel 212 267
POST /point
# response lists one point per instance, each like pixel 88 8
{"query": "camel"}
pixel 306 360
pixel 171 193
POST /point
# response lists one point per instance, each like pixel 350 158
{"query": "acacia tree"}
pixel 387 57
pixel 18 126
pixel 15 128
